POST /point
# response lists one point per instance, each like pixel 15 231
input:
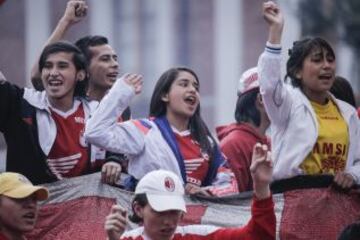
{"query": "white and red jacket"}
pixel 140 140
pixel 30 130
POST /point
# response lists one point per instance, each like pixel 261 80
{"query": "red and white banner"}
pixel 77 208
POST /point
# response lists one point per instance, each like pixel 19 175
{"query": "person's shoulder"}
pixel 242 132
pixel 346 109
pixel 36 98
pixel 145 125
pixel 345 106
pixel 146 122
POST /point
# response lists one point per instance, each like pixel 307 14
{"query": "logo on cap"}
pixel 169 184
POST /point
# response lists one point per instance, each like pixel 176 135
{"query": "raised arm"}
pixel 103 128
pixel 262 224
pixel 276 98
pixel 75 11
pixel 263 221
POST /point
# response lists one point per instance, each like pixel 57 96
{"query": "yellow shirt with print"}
pixel 330 151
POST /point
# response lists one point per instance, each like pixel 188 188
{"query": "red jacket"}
pixel 237 142
pixel 262 226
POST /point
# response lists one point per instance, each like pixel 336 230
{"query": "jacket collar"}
pixel 40 100
pixel 36 98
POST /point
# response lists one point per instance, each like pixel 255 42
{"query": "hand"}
pixel 275 19
pixel 2 78
pixel 272 14
pixel 110 172
pixel 75 11
pixel 261 170
pixel 192 189
pixel 344 180
pixel 115 222
pixel 135 81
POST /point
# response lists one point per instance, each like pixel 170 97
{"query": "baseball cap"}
pixel 163 189
pixel 15 185
pixel 248 81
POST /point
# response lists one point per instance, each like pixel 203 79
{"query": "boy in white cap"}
pixel 18 205
pixel 159 205
pixel 238 139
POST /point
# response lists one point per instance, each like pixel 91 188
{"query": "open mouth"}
pixel 327 76
pixel 54 83
pixel 167 231
pixel 191 100
pixel 112 75
pixel 29 216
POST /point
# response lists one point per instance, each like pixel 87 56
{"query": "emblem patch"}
pixel 169 184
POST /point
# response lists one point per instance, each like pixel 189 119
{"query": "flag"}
pixel 77 207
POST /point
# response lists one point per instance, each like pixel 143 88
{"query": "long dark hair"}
pixel 300 50
pixel 198 129
pixel 78 60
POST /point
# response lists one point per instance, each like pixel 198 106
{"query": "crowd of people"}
pixel 76 120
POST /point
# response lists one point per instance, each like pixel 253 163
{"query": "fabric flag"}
pixel 77 208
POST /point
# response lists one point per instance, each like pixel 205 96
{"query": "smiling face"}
pixel 182 100
pixel 158 225
pixel 18 215
pixel 103 68
pixel 318 72
pixel 59 76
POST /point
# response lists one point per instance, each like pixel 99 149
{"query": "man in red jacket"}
pixel 159 205
pixel 103 69
pixel 18 205
pixel 238 139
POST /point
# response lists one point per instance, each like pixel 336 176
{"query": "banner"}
pixel 77 208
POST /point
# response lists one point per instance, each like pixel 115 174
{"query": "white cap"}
pixel 163 189
pixel 248 81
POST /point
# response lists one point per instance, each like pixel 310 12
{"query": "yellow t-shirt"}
pixel 330 151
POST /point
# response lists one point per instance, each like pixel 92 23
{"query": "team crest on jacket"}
pixel 169 184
